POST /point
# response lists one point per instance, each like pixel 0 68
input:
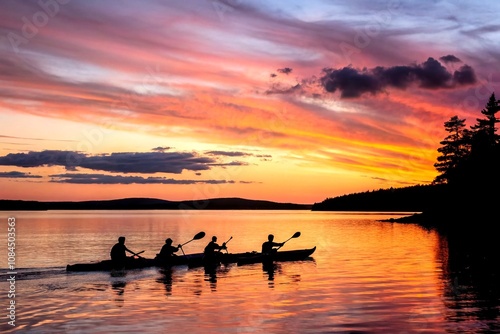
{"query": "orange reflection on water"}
pixel 365 276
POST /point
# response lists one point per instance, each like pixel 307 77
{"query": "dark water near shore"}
pixel 365 276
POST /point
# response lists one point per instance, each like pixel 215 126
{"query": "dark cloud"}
pixel 450 59
pixel 431 74
pixel 119 179
pixel 278 88
pixel 19 175
pixel 68 159
pixel 161 149
pixel 232 163
pixel 285 70
pixel 351 82
pixel 465 75
pixel 154 162
pixel 229 154
pixel 141 162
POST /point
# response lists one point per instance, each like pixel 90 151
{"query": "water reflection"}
pixel 166 279
pixel 368 277
pixel 471 273
pixel 118 284
pixel 211 276
pixel 269 269
pixel 213 272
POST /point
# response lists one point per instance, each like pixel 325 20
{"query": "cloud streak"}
pixel 120 179
pixel 19 175
pixel 139 162
pixel 37 139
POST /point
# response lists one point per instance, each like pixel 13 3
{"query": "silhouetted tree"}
pixel 482 164
pixel 469 164
pixel 466 189
pixel 454 150
pixel 484 134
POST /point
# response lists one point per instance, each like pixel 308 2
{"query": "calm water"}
pixel 366 276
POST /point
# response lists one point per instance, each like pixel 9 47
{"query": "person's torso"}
pixel 211 247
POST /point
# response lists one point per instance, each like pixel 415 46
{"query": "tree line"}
pixel 469 163
pixel 466 186
pixel 470 155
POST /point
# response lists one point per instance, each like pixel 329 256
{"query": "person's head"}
pixel 270 237
pixel 214 238
pixel 121 240
pixel 168 241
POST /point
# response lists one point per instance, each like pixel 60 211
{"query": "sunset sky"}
pixel 289 101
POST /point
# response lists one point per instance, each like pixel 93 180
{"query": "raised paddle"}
pixel 198 236
pixel 227 242
pixel 296 235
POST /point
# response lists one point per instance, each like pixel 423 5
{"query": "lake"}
pixel 366 276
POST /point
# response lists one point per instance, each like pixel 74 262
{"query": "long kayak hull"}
pixel 140 263
pixel 293 255
pixel 256 257
pixel 196 260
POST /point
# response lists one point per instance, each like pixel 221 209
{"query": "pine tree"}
pixel 454 150
pixel 484 132
pixel 480 179
pixel 469 164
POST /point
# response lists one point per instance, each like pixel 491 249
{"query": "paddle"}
pixel 137 254
pixel 198 236
pixel 296 235
pixel 227 242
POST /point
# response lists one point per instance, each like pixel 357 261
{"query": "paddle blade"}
pixel 296 235
pixel 199 236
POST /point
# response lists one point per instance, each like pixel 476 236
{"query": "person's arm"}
pixel 128 250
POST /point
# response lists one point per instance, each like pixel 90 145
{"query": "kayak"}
pixel 138 263
pixel 195 260
pixel 256 257
pixel 293 255
pixel 107 265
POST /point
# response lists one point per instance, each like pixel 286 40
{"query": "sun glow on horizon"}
pixel 258 101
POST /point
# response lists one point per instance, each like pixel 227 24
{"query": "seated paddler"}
pixel 268 246
pixel 118 253
pixel 167 251
pixel 212 249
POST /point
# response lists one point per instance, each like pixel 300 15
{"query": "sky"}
pixel 288 101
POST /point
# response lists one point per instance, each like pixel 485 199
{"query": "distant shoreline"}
pixel 151 204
